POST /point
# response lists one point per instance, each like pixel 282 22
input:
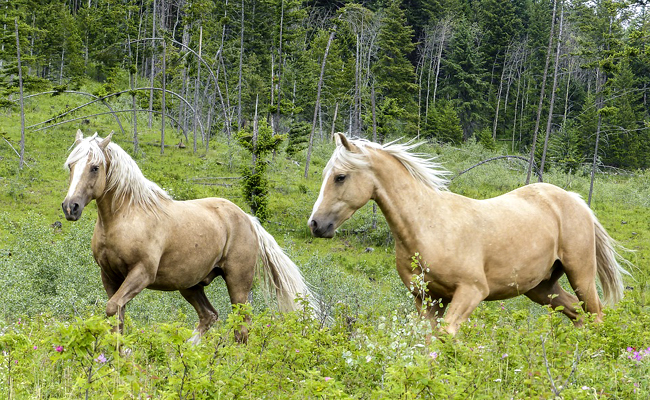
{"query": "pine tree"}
pixel 394 74
pixel 466 85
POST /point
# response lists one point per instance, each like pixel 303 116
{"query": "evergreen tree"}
pixel 393 72
pixel 466 86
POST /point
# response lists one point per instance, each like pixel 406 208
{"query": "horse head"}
pixel 87 165
pixel 348 184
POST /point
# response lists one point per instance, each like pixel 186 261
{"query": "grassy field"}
pixel 56 342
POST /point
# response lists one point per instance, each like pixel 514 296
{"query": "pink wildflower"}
pixel 327 378
pixel 101 359
pixel 59 349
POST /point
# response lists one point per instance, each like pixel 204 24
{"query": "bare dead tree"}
pixel 153 54
pixel 241 64
pixel 196 87
pixel 181 98
pixel 132 74
pixel 163 105
pixel 541 94
pixel 104 113
pixel 22 100
pixel 317 106
pixel 554 88
pixel 96 99
pixel 496 112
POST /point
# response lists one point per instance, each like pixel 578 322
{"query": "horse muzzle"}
pixel 321 228
pixel 72 209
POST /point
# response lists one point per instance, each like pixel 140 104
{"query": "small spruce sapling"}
pixel 255 183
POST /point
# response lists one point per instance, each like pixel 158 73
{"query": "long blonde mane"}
pixel 421 166
pixel 123 176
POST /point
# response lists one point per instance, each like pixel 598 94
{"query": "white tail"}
pixel 609 269
pixel 280 274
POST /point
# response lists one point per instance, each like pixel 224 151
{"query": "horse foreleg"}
pixel 206 312
pixel 463 302
pixel 111 287
pixel 137 279
pixel 434 311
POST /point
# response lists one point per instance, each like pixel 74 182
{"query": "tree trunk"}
pixel 549 121
pixel 496 114
pixel 22 103
pixel 276 129
pixel 163 105
pixel 595 161
pixel 132 74
pixel 196 86
pixel 541 94
pixel 336 113
pixel 241 63
pixel 317 106
pixel 153 35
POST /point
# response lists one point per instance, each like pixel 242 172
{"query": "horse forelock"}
pixel 421 166
pixel 123 175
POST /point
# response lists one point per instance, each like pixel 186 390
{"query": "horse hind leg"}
pixel 239 281
pixel 551 293
pixel 206 312
pixel 582 277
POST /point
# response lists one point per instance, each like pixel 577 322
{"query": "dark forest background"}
pixel 570 78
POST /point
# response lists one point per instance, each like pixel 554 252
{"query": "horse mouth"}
pixel 321 230
pixel 71 210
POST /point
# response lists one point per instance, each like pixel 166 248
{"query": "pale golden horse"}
pixel 472 250
pixel 144 239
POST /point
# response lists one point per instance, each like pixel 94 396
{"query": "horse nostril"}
pixel 75 207
pixel 313 224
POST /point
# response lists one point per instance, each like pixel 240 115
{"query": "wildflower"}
pixel 35 347
pixel 498 380
pixel 327 378
pixel 585 388
pixel 101 359
pixel 59 349
pixel 504 355
pixel 297 351
pixel 368 358
pixel 16 362
pixel 433 355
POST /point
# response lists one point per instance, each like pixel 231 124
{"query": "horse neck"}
pixel 106 209
pixel 400 197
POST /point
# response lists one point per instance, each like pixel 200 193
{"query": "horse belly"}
pixel 515 279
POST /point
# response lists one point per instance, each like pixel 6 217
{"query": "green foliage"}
pixel 484 137
pixel 443 124
pixel 298 138
pixel 254 181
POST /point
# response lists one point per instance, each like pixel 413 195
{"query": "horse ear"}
pixel 104 143
pixel 78 137
pixel 341 140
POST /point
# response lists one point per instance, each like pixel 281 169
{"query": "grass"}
pixel 51 294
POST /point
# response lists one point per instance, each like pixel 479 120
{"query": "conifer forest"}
pixel 566 80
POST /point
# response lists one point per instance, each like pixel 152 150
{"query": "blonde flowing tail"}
pixel 609 269
pixel 281 275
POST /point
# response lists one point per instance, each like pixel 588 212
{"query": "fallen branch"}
pixel 104 113
pixel 492 159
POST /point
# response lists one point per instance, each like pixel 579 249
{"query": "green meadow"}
pixel 56 343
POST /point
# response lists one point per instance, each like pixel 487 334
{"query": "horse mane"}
pixel 123 176
pixel 421 166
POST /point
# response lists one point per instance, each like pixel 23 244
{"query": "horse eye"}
pixel 94 168
pixel 339 178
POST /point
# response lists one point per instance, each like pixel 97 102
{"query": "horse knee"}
pixel 111 308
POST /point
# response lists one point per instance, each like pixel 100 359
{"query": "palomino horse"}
pixel 471 250
pixel 144 239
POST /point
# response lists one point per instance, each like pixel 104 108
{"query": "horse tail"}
pixel 280 274
pixel 609 269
